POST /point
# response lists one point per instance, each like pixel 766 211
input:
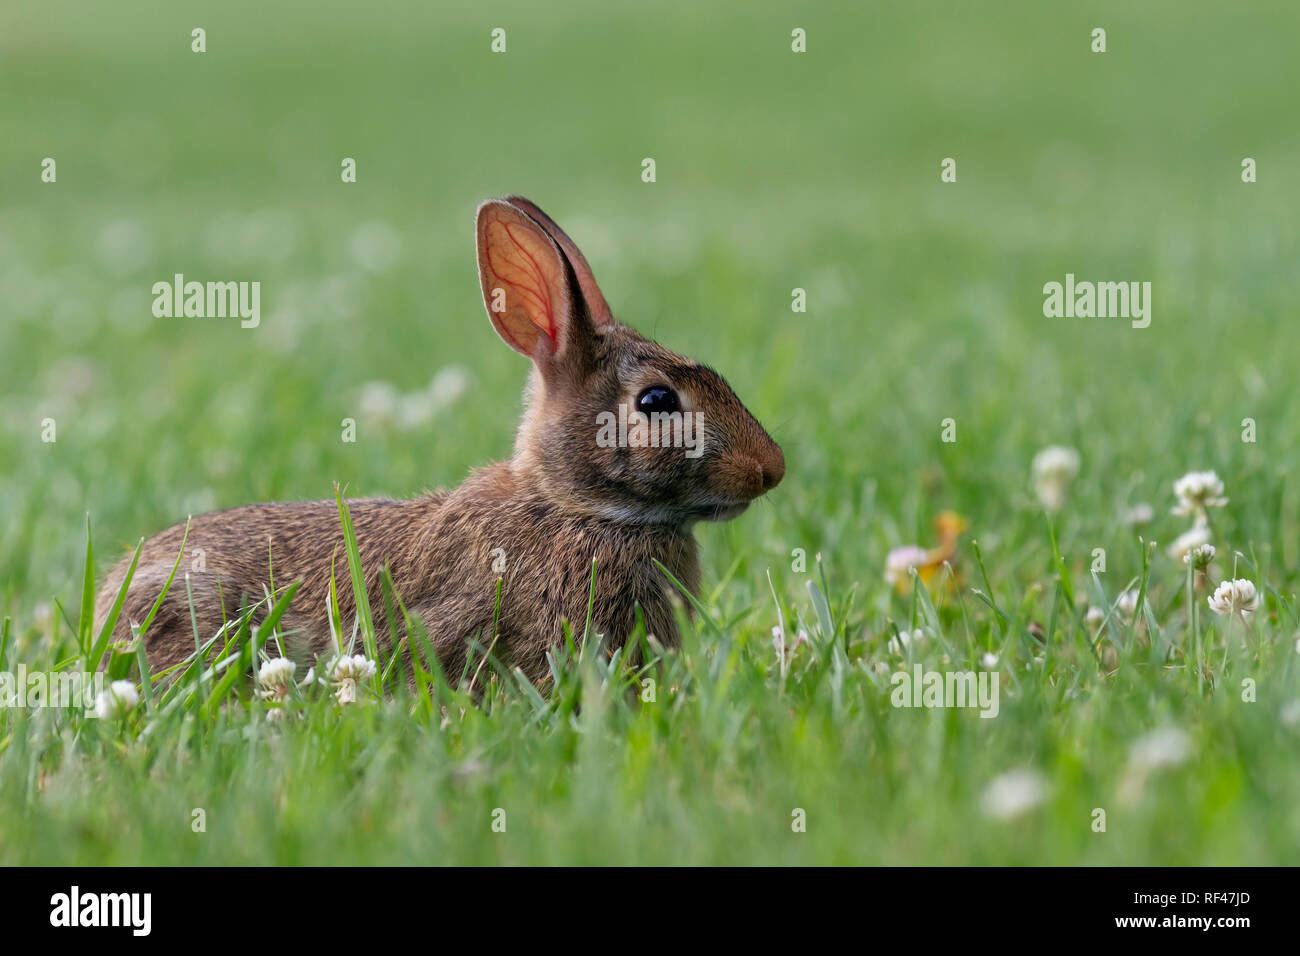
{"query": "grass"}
pixel 775 171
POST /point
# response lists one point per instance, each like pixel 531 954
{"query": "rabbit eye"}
pixel 656 398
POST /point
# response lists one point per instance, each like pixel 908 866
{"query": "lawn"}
pixel 922 378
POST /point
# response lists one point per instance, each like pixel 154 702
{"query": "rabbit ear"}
pixel 528 286
pixel 596 304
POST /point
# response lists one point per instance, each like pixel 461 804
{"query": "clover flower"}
pixel 778 642
pixel 900 643
pixel 1156 750
pixel 1053 469
pixel 1014 793
pixel 347 672
pixel 900 562
pixel 1198 491
pixel 1140 514
pixel 118 701
pixel 1126 606
pixel 275 677
pixel 1188 541
pixel 1235 597
pixel 1291 713
pixel 1167 747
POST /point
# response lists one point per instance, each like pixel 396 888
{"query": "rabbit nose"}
pixel 771 468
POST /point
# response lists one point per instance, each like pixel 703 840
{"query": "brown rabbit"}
pixel 578 488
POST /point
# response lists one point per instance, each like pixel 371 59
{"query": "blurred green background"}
pixel 775 170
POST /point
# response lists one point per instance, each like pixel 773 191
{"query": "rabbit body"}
pixel 535 523
pixel 444 553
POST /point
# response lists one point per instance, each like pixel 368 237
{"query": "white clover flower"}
pixel 414 409
pixel 1013 793
pixel 899 644
pixel 1167 747
pixel 1095 617
pixel 347 672
pixel 1291 713
pixel 1053 469
pixel 118 701
pixel 382 402
pixel 356 667
pixel 347 691
pixel 1198 491
pixel 1139 514
pixel 1126 606
pixel 448 384
pixel 1188 541
pixel 275 677
pixel 1235 597
pixel 1200 556
pixel 778 642
pixel 989 660
pixel 378 400
pixel 900 562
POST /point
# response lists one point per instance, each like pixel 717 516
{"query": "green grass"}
pixel 775 171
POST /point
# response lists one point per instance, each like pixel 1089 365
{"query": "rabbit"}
pixel 536 521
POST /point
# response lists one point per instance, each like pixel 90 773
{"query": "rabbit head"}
pixel 615 425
